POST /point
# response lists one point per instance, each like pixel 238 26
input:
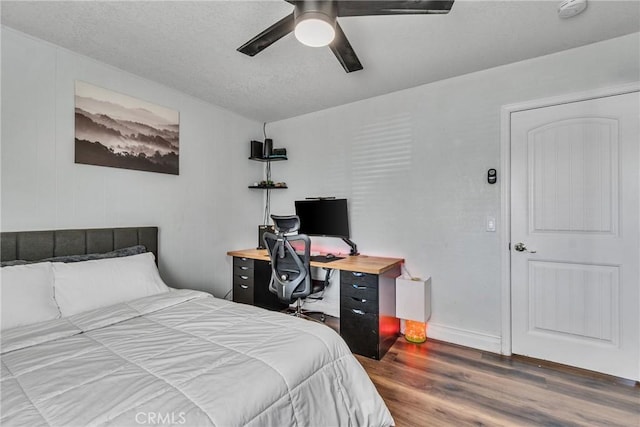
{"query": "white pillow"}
pixel 87 285
pixel 26 295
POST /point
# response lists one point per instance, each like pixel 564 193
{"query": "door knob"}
pixel 520 247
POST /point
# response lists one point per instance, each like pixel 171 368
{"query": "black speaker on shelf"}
pixel 261 230
pixel 256 149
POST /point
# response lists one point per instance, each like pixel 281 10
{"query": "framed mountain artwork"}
pixel 119 131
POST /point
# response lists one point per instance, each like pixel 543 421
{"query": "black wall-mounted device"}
pixel 256 149
pixel 492 176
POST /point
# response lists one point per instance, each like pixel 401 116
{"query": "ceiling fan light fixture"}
pixel 315 29
pixel 314 23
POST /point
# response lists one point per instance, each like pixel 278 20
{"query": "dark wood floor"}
pixel 440 384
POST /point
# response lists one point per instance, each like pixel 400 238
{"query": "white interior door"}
pixel 575 201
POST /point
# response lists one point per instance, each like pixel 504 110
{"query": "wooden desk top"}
pixel 362 263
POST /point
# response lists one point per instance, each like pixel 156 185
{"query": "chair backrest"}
pixel 290 270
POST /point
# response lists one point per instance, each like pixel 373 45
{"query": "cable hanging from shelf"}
pixel 267 203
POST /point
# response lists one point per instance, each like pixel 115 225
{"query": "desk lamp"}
pixel 413 303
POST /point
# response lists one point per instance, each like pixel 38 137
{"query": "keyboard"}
pixel 323 258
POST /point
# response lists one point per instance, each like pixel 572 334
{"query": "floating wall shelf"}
pixel 272 158
pixel 268 187
pixel 269 159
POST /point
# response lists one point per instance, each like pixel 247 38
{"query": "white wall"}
pixel 413 165
pixel 201 213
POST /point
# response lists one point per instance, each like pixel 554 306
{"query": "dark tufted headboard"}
pixel 36 245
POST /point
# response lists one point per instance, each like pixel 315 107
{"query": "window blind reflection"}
pixel 380 169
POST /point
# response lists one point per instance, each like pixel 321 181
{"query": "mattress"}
pixel 184 358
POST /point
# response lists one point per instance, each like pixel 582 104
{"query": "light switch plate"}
pixel 491 223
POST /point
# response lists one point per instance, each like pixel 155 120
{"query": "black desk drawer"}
pixel 360 303
pixel 243 292
pixel 361 291
pixel 358 277
pixel 359 285
pixel 243 274
pixel 240 263
pixel 242 270
pixel 243 277
pixel 360 331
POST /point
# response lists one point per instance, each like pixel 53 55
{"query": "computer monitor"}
pixel 325 217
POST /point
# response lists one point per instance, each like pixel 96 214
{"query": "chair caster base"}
pixel 306 315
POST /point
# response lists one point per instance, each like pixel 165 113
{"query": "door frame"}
pixel 505 186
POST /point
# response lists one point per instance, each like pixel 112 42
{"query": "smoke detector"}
pixel 571 8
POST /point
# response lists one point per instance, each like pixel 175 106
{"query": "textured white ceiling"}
pixel 191 46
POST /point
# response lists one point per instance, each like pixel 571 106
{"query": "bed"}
pixel 169 357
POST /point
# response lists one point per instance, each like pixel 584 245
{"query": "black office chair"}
pixel 290 270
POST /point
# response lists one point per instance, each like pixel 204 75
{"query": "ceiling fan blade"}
pixel 391 7
pixel 268 36
pixel 342 49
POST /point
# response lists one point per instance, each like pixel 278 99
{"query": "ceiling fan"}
pixel 315 24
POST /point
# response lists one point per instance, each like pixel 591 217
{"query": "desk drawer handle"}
pixel 244 277
pixel 244 268
pixel 244 286
pixel 357 274
pixel 243 259
pixel 356 311
pixel 358 286
pixel 363 300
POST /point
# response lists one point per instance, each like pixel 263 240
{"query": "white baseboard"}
pixel 464 337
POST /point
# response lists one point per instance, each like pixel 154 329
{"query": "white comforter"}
pixel 184 358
